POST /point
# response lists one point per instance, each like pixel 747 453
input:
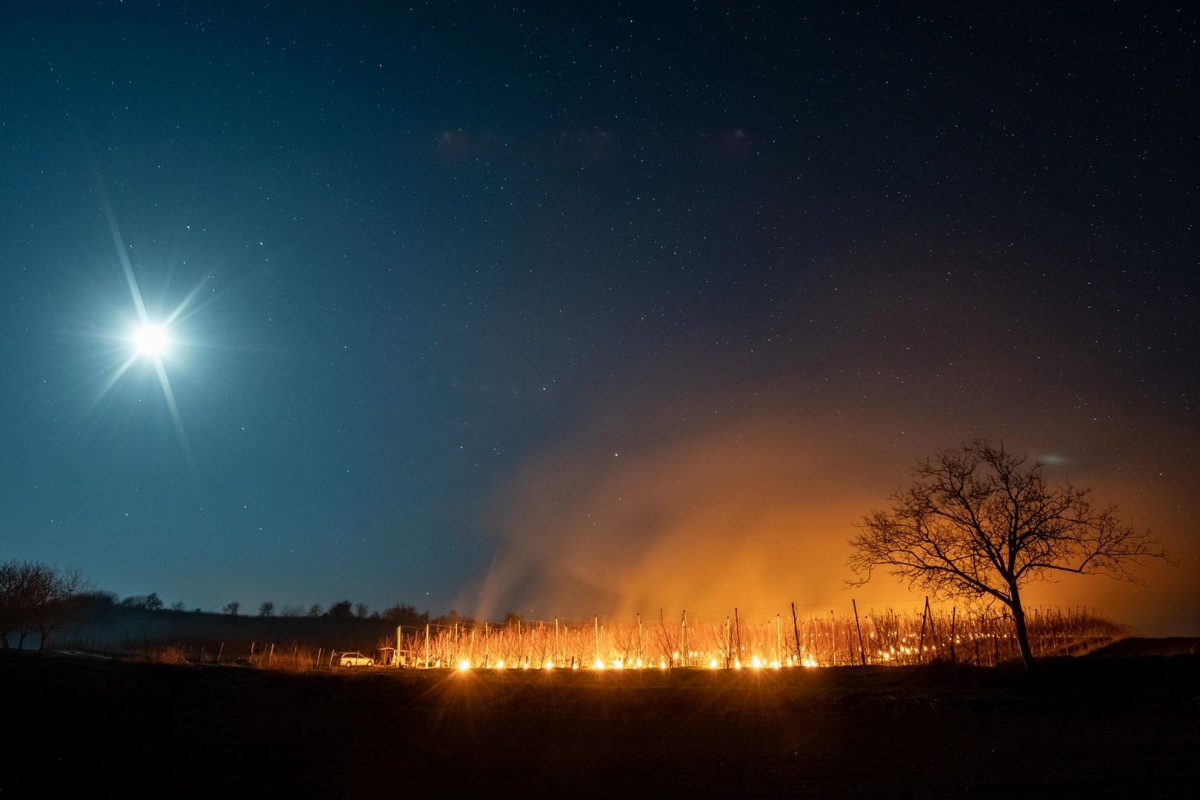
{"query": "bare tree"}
pixel 342 609
pixel 267 609
pixel 976 522
pixel 60 604
pixel 149 602
pixel 404 614
pixel 668 644
pixel 37 597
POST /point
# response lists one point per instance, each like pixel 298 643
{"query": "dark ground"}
pixel 1124 725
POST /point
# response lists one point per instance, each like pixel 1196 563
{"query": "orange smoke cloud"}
pixel 754 513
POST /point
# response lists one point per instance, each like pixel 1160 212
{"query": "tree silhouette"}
pixel 977 523
pixel 404 614
pixel 149 602
pixel 340 610
pixel 37 597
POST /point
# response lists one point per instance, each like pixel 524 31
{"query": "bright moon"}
pixel 151 340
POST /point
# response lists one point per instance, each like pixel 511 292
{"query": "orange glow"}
pixel 888 638
pixel 745 477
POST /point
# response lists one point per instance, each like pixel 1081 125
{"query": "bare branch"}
pixel 976 522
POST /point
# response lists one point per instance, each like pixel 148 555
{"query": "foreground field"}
pixel 107 727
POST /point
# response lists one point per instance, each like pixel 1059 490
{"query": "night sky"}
pixel 576 308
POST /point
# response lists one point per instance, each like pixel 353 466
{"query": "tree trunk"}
pixel 44 632
pixel 1022 631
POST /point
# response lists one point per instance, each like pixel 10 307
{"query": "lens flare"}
pixel 151 340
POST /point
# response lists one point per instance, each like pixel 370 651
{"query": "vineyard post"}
pixel 596 623
pixel 796 633
pixel 683 661
pixel 862 653
pixel 270 655
pixel 737 628
pixel 778 639
pixel 953 657
pixel 921 640
pixel 556 641
pixel 728 643
pixel 640 654
pixel 487 653
pixel 932 625
pixel 397 659
pixel 665 637
pixel 426 645
pixel 220 650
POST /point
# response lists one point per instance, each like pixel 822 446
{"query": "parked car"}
pixel 355 660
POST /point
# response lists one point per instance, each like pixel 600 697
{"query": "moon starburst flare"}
pixel 151 340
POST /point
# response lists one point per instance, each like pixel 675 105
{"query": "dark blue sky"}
pixel 531 308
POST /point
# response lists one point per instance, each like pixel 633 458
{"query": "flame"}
pixel 822 640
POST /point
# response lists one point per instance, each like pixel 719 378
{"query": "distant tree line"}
pixel 36 598
pixel 401 614
pixel 39 599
